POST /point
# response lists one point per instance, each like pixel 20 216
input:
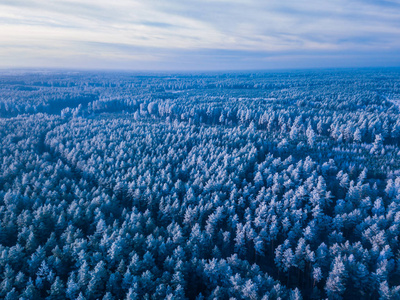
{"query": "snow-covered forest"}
pixel 280 185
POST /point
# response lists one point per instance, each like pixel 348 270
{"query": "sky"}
pixel 199 35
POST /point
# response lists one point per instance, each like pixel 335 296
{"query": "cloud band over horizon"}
pixel 199 35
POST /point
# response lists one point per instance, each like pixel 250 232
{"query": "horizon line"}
pixel 119 70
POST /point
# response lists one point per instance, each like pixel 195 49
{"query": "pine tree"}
pixel 57 290
pixel 97 281
pixel 336 282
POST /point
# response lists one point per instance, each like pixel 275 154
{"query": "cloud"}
pixel 180 34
